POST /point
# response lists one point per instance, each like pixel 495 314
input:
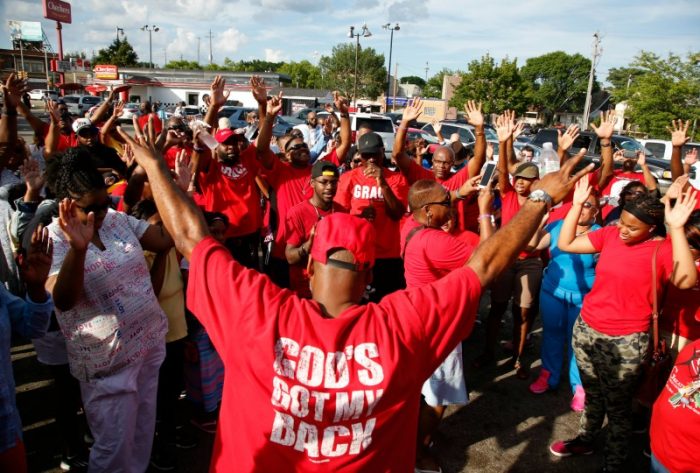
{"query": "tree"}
pixel 183 64
pixel 338 71
pixel 497 86
pixel 413 80
pixel 620 78
pixel 433 88
pixel 664 89
pixel 303 74
pixel 119 53
pixel 558 81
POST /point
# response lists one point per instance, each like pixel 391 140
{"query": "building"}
pixel 36 63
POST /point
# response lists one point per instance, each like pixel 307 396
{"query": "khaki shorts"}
pixel 521 281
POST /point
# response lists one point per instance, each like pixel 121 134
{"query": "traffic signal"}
pixel 22 75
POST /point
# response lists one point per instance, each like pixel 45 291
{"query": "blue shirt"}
pixel 30 320
pixel 568 275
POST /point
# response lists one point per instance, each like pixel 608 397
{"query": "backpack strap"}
pixel 410 235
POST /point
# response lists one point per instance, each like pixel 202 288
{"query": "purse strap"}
pixel 655 298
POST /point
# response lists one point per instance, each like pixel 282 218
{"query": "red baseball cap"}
pixel 341 231
pixel 224 134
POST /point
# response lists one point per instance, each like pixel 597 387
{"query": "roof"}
pixel 302 93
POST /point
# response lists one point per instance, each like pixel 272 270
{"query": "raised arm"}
pixel 180 214
pixel 684 274
pixel 565 141
pixel 217 99
pixel 568 241
pixel 12 89
pixel 112 120
pixel 476 119
pixel 499 251
pixel 679 137
pixel 649 179
pixel 398 154
pixel 504 130
pixel 341 103
pixel 51 141
pixel 273 107
pixel 103 109
pixel 35 122
pixel 605 132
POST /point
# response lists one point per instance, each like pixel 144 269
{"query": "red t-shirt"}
pixel 231 190
pixel 172 152
pixel 431 254
pixel 331 157
pixel 682 309
pixel 620 301
pixel 157 123
pixel 674 429
pixel 64 141
pixel 291 186
pixel 470 238
pixel 296 230
pixel 356 191
pixel 510 205
pixel 619 180
pixel 322 394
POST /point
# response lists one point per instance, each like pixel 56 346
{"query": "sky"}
pixel 435 34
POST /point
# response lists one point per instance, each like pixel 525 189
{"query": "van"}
pixel 79 104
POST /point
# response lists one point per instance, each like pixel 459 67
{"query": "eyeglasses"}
pixel 298 146
pixel 356 161
pixel 95 208
pixel 445 203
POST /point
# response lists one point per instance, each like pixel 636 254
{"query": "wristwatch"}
pixel 541 196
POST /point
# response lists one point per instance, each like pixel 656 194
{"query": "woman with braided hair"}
pixel 611 336
pixel 108 312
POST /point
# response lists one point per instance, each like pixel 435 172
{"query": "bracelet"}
pixel 459 196
pixel 483 216
pixel 344 115
pixel 479 134
pixel 605 145
pixel 9 113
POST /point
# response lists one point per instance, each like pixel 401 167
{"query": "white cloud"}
pixel 274 55
pixel 228 43
pixel 408 10
pixel 301 6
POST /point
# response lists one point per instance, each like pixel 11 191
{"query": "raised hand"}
pixel 34 267
pixel 485 199
pixel 183 171
pixel 470 186
pixel 118 109
pixel 691 157
pixel 559 184
pixel 13 89
pixel 641 158
pixel 679 132
pixel 582 191
pixel 566 140
pixel 372 170
pixel 474 115
pixel 257 87
pixel 53 112
pixel 218 95
pixel 619 155
pixel 78 234
pixel 32 175
pixel 437 126
pixel 144 152
pixel 412 110
pixel 504 127
pixel 676 188
pixel 274 105
pixel 518 129
pixel 677 216
pixel 607 125
pixel 341 103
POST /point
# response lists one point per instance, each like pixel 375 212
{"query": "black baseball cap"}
pixel 370 143
pixel 324 168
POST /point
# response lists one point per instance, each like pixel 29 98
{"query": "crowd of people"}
pixel 310 292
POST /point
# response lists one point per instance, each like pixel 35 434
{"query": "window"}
pixel 34 66
pixel 377 125
pixel 465 136
pixel 657 149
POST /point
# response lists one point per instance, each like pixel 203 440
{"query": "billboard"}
pixel 25 30
pixel 57 10
pixel 106 72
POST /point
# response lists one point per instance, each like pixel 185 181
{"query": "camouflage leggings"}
pixel 610 368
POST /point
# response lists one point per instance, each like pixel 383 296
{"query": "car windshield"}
pixel 490 134
pixel 379 125
pixel 70 99
pixel 630 145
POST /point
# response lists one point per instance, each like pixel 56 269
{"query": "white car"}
pixel 659 148
pixel 41 94
pixel 131 109
pixel 380 124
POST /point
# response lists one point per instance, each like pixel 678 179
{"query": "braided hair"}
pixel 73 174
pixel 649 209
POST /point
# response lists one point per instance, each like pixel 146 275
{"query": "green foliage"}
pixel 558 81
pixel 119 53
pixel 413 80
pixel 433 88
pixel 338 71
pixel 497 86
pixel 303 74
pixel 663 90
pixel 183 64
pixel 620 77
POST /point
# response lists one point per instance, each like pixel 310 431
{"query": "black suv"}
pixel 660 168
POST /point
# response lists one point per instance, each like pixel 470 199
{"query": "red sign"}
pixel 57 10
pixel 106 72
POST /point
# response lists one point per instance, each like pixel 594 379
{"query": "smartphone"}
pixel 488 171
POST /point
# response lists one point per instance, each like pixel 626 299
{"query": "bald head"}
pixel 424 191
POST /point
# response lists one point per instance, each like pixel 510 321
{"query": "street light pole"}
pixel 388 69
pixel 150 30
pixel 351 34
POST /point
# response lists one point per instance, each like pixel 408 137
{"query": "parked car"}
pixel 464 130
pixel 659 148
pixel 131 109
pixel 380 124
pixel 79 104
pixel 300 116
pixel 660 168
pixel 41 94
pixel 236 115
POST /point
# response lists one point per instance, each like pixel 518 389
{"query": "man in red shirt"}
pixel 333 385
pixel 147 113
pixel 58 134
pixel 443 160
pixel 379 195
pixel 302 219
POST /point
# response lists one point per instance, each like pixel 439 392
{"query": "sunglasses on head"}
pixel 445 203
pixel 95 208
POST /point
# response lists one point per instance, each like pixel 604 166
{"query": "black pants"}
pixel 244 249
pixel 278 270
pixel 171 381
pixel 387 277
pixel 67 403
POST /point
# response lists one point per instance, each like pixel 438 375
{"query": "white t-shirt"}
pixel 117 318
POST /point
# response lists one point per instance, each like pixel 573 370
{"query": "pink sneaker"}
pixel 579 400
pixel 541 384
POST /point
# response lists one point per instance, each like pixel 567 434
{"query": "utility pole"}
pixel 597 51
pixel 165 56
pixel 396 74
pixel 426 71
pixel 211 56
pixel 199 42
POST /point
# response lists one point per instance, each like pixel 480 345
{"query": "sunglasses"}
pixel 445 203
pixel 95 208
pixel 356 161
pixel 298 146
